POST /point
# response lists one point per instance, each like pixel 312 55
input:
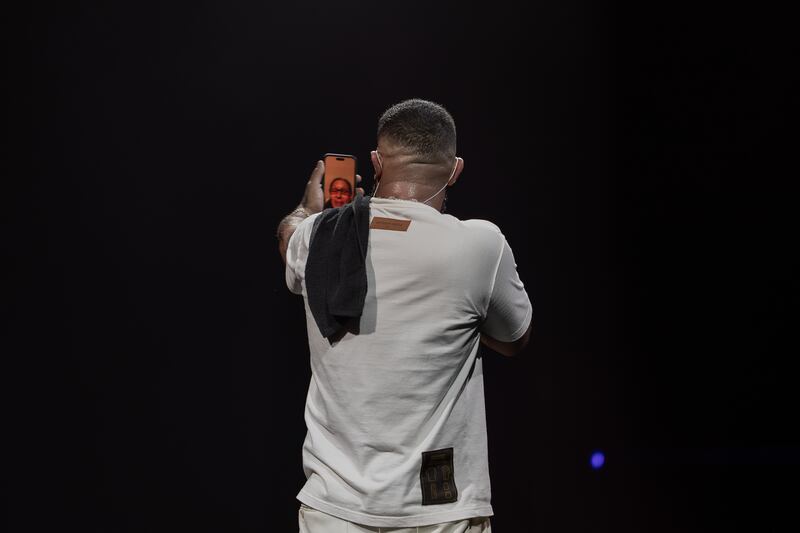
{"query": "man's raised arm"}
pixel 312 202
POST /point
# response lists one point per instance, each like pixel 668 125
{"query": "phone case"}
pixel 339 183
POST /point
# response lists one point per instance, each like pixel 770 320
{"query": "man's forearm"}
pixel 508 349
pixel 287 226
pixel 313 202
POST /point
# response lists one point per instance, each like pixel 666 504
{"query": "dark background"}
pixel 636 157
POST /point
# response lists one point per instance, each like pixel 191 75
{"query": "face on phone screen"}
pixel 340 178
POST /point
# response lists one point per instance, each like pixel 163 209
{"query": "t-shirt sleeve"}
pixel 297 254
pixel 510 311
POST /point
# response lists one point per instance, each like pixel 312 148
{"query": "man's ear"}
pixel 459 168
pixel 376 164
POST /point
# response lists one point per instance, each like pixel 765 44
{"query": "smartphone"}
pixel 339 183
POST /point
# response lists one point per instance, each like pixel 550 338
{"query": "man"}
pixel 395 408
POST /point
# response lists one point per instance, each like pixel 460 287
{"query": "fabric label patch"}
pixel 393 224
pixel 436 477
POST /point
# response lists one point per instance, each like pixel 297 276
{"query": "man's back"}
pixel 407 380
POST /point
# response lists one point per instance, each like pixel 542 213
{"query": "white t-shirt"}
pixel 410 382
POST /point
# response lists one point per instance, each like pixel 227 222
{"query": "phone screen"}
pixel 339 183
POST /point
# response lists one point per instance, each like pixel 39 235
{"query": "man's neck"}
pixel 404 190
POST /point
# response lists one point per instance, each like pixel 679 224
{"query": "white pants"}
pixel 313 521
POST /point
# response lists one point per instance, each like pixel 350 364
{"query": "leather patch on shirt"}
pixel 437 478
pixel 393 224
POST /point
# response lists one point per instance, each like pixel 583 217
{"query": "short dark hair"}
pixel 422 126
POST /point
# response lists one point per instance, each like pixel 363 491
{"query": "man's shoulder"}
pixel 480 235
pixel 480 224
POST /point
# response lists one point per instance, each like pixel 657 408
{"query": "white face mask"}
pixel 453 173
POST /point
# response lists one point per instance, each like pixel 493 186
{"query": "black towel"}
pixel 336 272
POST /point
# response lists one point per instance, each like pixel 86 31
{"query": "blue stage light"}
pixel 598 460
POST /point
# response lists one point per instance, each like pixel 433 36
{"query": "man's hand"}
pixel 313 202
pixel 313 199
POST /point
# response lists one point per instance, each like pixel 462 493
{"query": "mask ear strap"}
pixel 453 173
pixel 377 182
pixel 455 167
